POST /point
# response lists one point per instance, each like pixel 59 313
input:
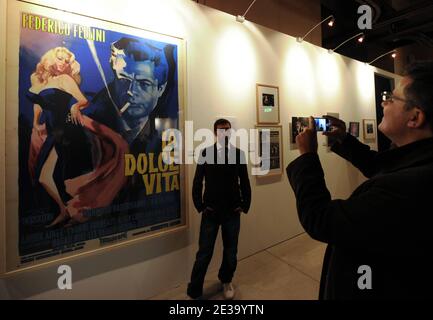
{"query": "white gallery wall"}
pixel 224 61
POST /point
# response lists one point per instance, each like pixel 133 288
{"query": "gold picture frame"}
pixel 267 104
pixel 369 128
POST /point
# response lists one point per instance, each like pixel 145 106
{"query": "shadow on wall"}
pixel 36 281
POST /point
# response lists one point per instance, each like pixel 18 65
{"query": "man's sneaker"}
pixel 229 291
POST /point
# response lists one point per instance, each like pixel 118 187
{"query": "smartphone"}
pixel 322 124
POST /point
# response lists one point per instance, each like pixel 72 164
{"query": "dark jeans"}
pixel 230 226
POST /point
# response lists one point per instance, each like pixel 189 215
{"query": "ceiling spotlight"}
pixel 393 55
pixel 360 37
pixel 241 18
pixel 330 23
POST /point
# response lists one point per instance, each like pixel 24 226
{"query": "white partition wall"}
pixel 224 62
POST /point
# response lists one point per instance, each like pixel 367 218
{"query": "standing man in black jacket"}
pixel 227 194
pixel 380 238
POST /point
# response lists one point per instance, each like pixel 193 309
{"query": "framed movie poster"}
pixel 87 103
pixel 354 129
pixel 268 104
pixel 369 129
pixel 270 150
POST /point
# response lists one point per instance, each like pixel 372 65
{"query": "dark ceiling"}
pixel 396 24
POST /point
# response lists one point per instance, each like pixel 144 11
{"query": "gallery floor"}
pixel 287 271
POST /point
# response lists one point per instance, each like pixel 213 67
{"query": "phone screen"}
pixel 322 124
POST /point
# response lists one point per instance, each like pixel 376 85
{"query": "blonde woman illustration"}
pixel 61 157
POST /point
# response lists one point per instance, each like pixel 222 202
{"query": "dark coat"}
pixel 386 223
pixel 227 186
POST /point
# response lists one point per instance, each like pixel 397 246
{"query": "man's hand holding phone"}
pixel 333 127
pixel 338 126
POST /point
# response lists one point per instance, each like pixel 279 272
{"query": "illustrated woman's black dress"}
pixel 90 167
pixel 70 141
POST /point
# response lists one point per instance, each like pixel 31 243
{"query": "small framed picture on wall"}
pixel 369 129
pixel 270 150
pixel 268 104
pixel 354 129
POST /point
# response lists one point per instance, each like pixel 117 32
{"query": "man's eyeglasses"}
pixel 389 97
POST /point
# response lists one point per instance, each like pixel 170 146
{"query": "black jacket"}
pixel 227 186
pixel 386 223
